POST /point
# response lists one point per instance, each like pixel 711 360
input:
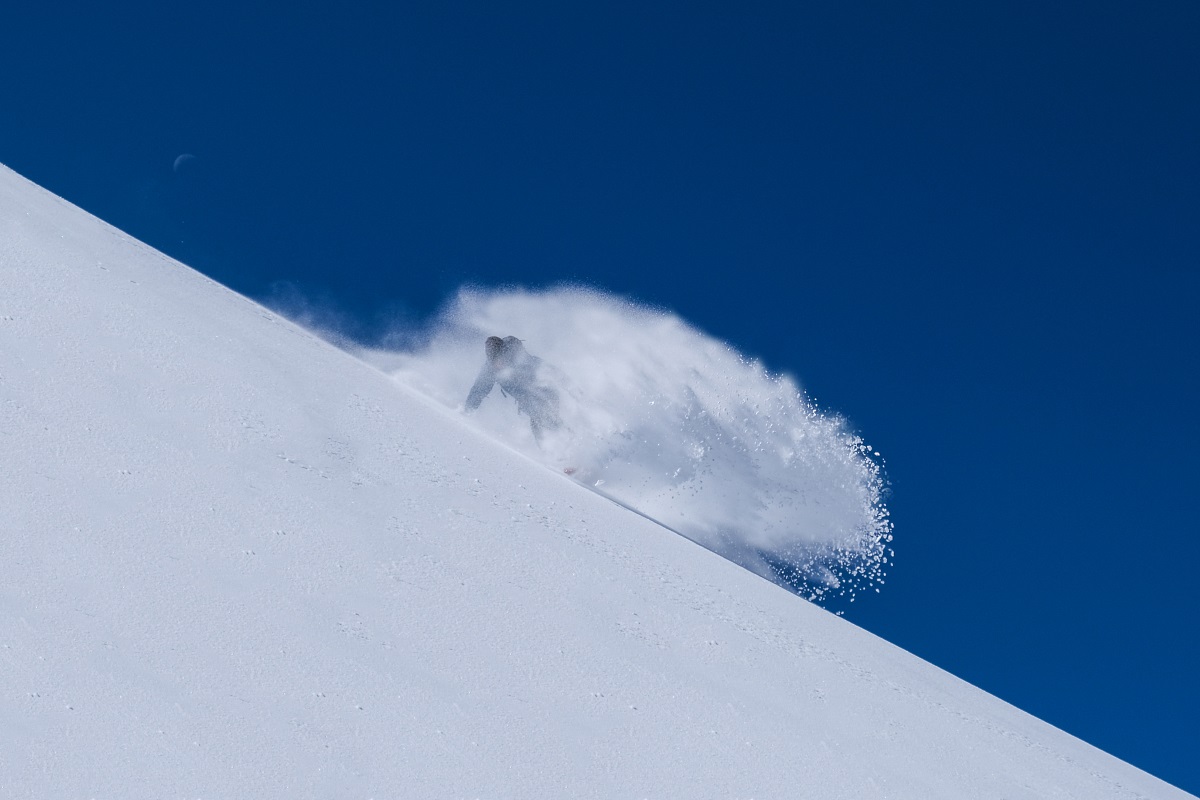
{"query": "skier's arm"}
pixel 483 385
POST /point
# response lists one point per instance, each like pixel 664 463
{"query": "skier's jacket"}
pixel 517 372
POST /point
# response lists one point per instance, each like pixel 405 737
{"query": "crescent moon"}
pixel 182 159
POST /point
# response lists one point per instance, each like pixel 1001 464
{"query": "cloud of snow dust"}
pixel 674 424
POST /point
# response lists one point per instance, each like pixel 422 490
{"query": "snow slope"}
pixel 237 562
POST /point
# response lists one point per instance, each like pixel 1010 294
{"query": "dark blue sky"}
pixel 974 231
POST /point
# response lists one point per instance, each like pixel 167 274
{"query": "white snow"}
pixel 237 562
pixel 673 423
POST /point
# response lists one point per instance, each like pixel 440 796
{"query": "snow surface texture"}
pixel 236 562
pixel 675 424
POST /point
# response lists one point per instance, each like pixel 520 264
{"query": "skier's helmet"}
pixel 493 346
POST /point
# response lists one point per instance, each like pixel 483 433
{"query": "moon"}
pixel 182 159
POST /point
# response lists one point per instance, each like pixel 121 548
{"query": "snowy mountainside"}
pixel 237 562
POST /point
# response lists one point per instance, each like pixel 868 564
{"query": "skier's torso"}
pixel 519 378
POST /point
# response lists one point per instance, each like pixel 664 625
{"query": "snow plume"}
pixel 675 425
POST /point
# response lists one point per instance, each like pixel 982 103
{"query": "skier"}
pixel 517 372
